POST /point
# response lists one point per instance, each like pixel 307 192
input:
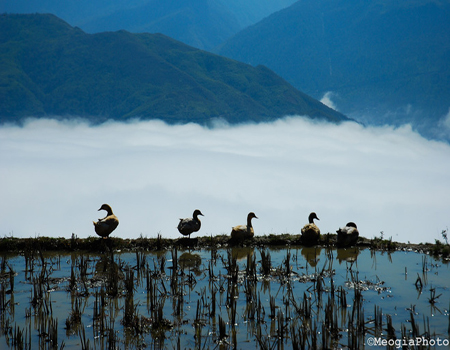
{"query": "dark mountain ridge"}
pixel 50 68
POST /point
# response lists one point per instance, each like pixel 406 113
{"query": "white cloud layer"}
pixel 326 100
pixel 55 175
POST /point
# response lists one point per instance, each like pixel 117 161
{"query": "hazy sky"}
pixel 55 175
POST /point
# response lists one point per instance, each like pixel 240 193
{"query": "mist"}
pixel 55 175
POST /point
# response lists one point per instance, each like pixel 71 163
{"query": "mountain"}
pixel 385 58
pixel 199 23
pixel 51 68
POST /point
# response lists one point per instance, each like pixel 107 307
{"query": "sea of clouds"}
pixel 54 175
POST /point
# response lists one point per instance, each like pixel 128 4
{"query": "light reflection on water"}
pixel 300 297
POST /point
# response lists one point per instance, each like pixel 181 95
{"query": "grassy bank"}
pixel 95 244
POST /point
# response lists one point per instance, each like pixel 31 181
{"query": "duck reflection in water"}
pixel 190 261
pixel 106 267
pixel 241 253
pixel 311 255
pixel 347 254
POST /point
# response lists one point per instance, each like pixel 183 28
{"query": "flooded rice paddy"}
pixel 243 298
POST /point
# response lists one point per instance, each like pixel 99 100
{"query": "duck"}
pixel 347 235
pixel 244 231
pixel 189 225
pixel 310 232
pixel 104 227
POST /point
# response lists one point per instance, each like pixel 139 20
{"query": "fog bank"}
pixel 55 175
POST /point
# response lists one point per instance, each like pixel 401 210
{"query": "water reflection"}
pixel 347 254
pixel 241 253
pixel 311 255
pixel 296 297
pixel 191 262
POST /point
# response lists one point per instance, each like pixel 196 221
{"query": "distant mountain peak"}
pixel 51 68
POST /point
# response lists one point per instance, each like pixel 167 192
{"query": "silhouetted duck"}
pixel 244 231
pixel 104 227
pixel 347 235
pixel 310 232
pixel 189 225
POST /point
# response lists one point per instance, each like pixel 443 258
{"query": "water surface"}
pixel 246 298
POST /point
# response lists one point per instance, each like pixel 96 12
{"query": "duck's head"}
pixel 106 207
pixel 311 217
pixel 251 215
pixel 351 224
pixel 197 213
